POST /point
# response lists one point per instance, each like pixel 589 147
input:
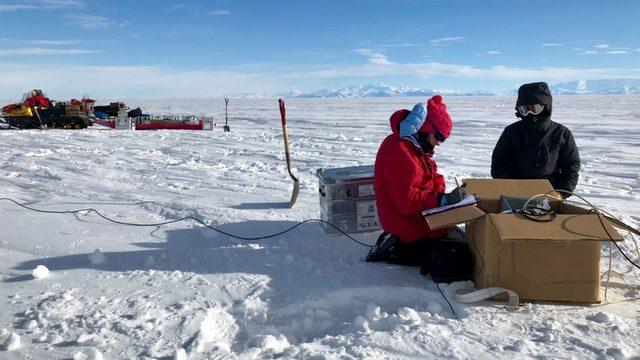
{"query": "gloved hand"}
pixel 455 196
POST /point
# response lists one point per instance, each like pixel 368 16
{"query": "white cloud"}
pixel 41 5
pixel 94 21
pixel 552 45
pixel 401 45
pixel 638 49
pixel 602 46
pixel 374 57
pixel 121 82
pixel 492 52
pixel 64 3
pixel 221 13
pixel 43 51
pixel 443 70
pixel 616 52
pixel 46 42
pixel 156 82
pixel 589 52
pixel 15 7
pixel 448 39
pixel 380 59
pixel 53 42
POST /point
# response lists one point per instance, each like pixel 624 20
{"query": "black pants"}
pixel 389 248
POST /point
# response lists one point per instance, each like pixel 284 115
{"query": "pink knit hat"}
pixel 438 120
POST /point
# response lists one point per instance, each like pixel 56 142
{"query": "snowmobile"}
pixel 36 112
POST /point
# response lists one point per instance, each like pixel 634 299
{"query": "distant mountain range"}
pixel 609 86
pixel 379 90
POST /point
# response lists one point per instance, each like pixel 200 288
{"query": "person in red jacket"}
pixel 37 98
pixel 406 181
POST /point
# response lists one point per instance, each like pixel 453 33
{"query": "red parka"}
pixel 36 100
pixel 406 181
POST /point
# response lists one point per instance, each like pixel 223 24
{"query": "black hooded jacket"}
pixel 536 147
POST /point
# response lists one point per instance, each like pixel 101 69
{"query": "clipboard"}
pixel 469 200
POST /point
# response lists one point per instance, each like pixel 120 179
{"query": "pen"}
pixel 458 188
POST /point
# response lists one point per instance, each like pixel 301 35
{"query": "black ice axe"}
pixel 296 183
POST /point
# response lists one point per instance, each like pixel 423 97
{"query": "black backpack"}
pixel 449 261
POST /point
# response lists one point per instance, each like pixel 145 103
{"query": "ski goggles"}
pixel 534 109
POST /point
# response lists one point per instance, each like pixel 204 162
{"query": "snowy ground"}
pixel 150 291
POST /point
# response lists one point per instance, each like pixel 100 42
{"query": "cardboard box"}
pixel 558 260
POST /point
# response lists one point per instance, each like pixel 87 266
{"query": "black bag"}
pixel 135 113
pixel 449 261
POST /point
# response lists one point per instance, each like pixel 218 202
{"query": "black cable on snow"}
pixel 183 219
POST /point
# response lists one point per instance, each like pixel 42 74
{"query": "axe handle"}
pixel 283 112
pixel 285 135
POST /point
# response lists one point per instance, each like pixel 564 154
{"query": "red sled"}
pixel 169 126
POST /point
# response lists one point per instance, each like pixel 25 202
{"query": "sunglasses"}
pixel 439 136
pixel 534 109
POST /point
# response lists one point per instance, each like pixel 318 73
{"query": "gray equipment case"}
pixel 347 199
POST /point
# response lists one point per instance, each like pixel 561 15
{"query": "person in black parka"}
pixel 536 147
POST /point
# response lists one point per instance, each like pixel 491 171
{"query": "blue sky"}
pixel 173 48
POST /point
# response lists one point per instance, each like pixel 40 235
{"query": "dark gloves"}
pixel 455 196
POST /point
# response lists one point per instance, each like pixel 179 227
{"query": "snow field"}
pixel 184 291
